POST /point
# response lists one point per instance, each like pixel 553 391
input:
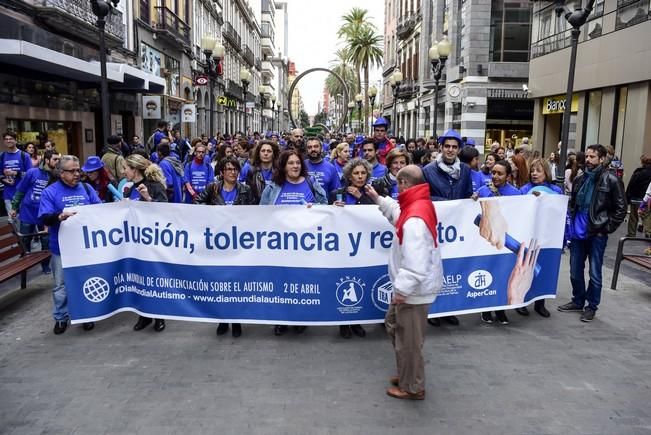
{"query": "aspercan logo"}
pixel 96 289
pixel 480 279
pixel 382 293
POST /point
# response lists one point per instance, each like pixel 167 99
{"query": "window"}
pixel 631 12
pixel 510 26
pixel 593 114
pixel 173 76
pixel 620 119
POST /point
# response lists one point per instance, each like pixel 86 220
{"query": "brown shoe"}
pixel 399 394
pixel 394 380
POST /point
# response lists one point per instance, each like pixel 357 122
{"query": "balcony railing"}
pixel 408 89
pixel 258 64
pixel 169 23
pixel 406 25
pixel 234 89
pixel 78 15
pixel 248 55
pixel 232 36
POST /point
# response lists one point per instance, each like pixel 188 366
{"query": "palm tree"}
pixel 365 50
pixel 344 68
pixel 353 21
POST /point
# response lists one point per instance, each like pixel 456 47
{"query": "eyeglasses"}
pixel 72 171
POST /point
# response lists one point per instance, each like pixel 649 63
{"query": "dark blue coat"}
pixel 442 187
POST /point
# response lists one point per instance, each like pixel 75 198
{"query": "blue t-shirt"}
pixel 379 171
pixel 394 190
pixel 158 135
pixel 16 162
pixel 198 176
pixel 229 197
pixel 485 178
pixel 527 187
pixel 339 169
pixel 477 179
pixel 506 190
pixel 295 194
pixel 324 173
pixel 173 181
pixel 32 185
pixel 59 196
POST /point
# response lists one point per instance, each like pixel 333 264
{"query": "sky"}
pixel 313 41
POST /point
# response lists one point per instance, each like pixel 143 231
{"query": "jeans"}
pixel 27 241
pixel 592 249
pixel 8 209
pixel 59 295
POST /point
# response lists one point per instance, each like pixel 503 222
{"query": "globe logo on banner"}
pixel 96 289
pixel 480 279
pixel 382 293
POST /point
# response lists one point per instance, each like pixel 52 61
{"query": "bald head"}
pixel 410 175
pixel 297 134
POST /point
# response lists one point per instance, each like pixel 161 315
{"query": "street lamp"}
pixel 438 54
pixel 273 111
pixel 245 78
pixel 372 93
pixel 101 9
pixel 394 81
pixel 214 53
pixel 577 18
pixel 351 106
pixel 262 90
pixel 358 100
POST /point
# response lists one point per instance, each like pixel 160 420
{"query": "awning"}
pixel 120 76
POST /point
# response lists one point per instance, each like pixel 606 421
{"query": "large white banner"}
pixel 294 265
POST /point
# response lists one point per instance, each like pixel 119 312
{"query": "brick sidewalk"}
pixel 535 376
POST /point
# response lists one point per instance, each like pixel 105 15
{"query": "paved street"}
pixel 535 376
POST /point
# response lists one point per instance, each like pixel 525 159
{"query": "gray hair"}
pixel 352 164
pixel 62 161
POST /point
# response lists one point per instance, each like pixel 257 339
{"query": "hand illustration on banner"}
pixel 523 273
pixel 492 225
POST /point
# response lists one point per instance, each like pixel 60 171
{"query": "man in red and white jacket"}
pixel 416 273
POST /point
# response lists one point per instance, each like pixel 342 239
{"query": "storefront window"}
pixel 173 73
pixel 61 133
pixel 593 114
pixel 622 98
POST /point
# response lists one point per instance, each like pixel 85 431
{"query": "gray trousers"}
pixel 406 325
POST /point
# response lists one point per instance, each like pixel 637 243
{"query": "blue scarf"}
pixel 584 195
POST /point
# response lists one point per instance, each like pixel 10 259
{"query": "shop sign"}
pixel 201 80
pixel 189 113
pixel 151 106
pixel 556 105
pixel 225 101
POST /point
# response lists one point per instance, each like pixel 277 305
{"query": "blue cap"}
pixel 451 134
pixel 470 141
pixel 359 139
pixel 93 164
pixel 381 121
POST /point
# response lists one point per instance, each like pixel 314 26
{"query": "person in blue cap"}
pixel 96 175
pixel 380 127
pixel 356 147
pixel 448 179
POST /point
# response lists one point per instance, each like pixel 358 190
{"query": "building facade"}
pixel 611 103
pixel 480 93
pixel 50 76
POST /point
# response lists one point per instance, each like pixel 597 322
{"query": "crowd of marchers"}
pixel 39 185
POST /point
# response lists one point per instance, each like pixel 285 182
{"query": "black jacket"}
pixel 384 185
pixel 442 187
pixel 212 195
pixel 608 206
pixel 156 190
pixel 638 183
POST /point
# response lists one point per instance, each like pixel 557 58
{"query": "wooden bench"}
pixel 639 259
pixel 14 258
